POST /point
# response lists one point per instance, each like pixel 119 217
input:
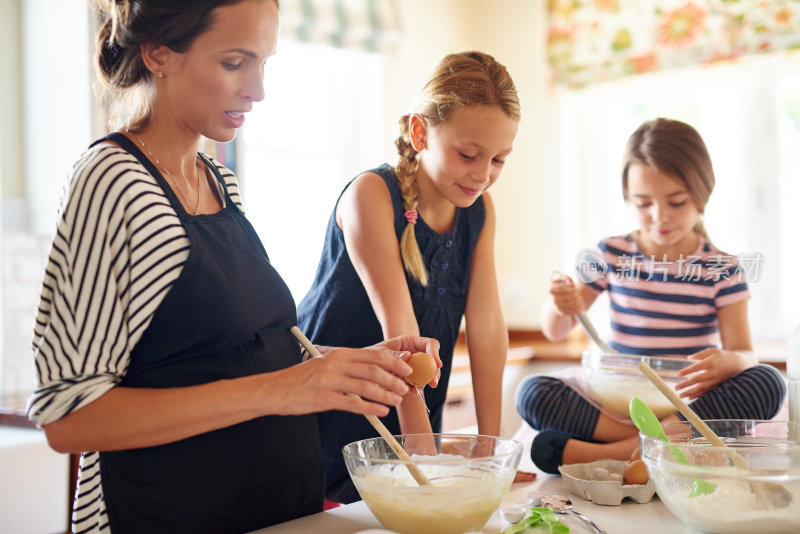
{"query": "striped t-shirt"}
pixel 664 307
pixel 118 249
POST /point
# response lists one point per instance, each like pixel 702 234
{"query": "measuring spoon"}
pixel 647 422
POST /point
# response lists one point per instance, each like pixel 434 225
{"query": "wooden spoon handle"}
pixel 398 449
pixel 689 414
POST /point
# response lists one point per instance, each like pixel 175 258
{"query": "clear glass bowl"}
pixel 614 378
pixel 469 475
pixel 763 496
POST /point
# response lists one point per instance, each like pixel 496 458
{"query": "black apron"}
pixel 227 315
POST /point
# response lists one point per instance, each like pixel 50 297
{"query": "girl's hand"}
pixel 404 346
pixel 567 298
pixel 713 366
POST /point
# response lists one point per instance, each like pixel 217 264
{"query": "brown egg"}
pixel 424 369
pixel 636 454
pixel 635 473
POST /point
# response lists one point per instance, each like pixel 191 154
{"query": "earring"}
pixel 160 74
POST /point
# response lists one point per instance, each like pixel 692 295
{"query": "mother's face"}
pixel 210 87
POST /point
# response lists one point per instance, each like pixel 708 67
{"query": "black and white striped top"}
pixel 118 249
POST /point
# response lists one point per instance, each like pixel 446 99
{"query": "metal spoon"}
pixel 562 505
pixel 587 325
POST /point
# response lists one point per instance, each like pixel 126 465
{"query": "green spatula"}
pixel 647 422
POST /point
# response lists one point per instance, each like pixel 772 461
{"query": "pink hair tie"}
pixel 411 216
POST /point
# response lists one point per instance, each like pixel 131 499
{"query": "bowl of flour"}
pixel 761 496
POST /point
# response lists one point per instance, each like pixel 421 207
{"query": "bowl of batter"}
pixel 467 475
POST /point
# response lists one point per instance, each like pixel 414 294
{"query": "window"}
pixel 749 116
pixel 48 87
pixel 328 103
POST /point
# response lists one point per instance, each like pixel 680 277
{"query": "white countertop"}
pixel 652 517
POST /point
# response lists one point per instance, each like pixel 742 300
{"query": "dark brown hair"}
pixel 460 80
pixel 676 149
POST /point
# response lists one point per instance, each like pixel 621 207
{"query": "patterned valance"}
pixel 597 40
pixel 370 25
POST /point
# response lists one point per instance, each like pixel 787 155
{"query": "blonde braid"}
pixel 406 171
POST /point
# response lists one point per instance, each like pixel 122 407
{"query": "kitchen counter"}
pixel 652 517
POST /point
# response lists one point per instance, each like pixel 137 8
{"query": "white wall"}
pixel 11 164
pixel 513 31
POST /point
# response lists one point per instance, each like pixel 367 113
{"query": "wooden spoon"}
pixel 413 468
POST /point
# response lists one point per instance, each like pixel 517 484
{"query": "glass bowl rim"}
pixel 594 359
pixel 428 460
pixel 658 443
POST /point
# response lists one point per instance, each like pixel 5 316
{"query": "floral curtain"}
pixel 370 25
pixel 591 41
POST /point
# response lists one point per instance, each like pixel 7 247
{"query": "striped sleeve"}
pixel 118 248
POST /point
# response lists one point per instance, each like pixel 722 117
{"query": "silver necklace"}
pixel 174 182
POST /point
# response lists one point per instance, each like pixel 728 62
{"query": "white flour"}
pixel 731 508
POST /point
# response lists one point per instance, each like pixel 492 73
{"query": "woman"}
pixel 162 342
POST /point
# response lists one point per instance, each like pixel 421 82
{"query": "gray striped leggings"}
pixel 546 403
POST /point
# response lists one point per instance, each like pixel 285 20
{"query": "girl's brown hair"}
pixel 127 85
pixel 460 80
pixel 674 148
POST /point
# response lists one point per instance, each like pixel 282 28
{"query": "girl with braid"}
pixel 409 250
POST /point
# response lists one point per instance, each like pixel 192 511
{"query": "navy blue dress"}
pixel 337 312
pixel 227 316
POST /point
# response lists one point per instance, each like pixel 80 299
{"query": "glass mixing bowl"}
pixel 469 476
pixel 762 496
pixel 614 378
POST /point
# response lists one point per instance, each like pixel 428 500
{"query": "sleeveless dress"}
pixel 227 315
pixel 337 312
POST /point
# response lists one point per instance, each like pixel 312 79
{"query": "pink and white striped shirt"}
pixel 665 307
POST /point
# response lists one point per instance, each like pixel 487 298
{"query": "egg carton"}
pixel 582 480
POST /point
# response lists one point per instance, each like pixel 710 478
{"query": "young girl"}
pixel 409 249
pixel 672 293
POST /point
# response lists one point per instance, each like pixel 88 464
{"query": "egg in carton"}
pixel 601 482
